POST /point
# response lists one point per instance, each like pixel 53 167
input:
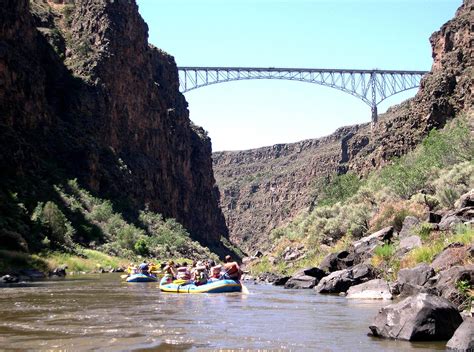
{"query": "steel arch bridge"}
pixel 370 86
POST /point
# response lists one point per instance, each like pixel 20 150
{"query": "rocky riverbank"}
pixel 433 297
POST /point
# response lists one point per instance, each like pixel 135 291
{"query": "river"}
pixel 102 312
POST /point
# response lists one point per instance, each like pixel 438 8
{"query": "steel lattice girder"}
pixel 371 86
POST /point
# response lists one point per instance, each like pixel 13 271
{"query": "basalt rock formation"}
pixel 83 95
pixel 266 187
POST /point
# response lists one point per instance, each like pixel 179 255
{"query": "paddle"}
pixel 124 276
pixel 245 291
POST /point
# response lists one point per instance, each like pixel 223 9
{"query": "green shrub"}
pixel 385 251
pixel 452 184
pixel 168 238
pixel 337 188
pixel 439 149
pixel 50 217
pixel 463 234
pixel 152 236
pixel 463 286
pixel 394 213
pixel 423 254
pixel 102 212
pixel 262 266
pixel 128 235
pixel 141 247
pixel 424 231
pixel 426 199
pixel 405 177
pixel 452 145
pixel 232 247
pixel 68 11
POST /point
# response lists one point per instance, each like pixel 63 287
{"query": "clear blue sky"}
pixel 364 34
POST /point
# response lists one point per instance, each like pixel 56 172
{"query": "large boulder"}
pixel 454 254
pixel 337 261
pixel 312 271
pixel 341 280
pixel 59 271
pixel 408 243
pixel 373 289
pixel 447 283
pixel 466 200
pixel 422 317
pixel 414 280
pixel 419 275
pixel 267 277
pixel 409 224
pixel 281 281
pixel 8 279
pixel 305 278
pixel 463 338
pixel 364 247
pixel 291 253
pixel 453 218
pixel 301 282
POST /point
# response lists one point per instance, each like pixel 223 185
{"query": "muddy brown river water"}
pixel 100 312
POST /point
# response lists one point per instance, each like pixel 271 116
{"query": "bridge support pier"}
pixel 375 116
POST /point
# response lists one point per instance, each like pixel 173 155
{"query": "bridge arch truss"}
pixel 370 86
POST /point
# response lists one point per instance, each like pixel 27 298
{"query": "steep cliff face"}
pixel 82 91
pixel 264 188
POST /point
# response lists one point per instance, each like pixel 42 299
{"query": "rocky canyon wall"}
pixel 83 95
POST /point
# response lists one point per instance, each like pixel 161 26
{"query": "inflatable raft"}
pixel 141 278
pixel 219 286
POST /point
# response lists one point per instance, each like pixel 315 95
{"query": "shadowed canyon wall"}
pixel 83 95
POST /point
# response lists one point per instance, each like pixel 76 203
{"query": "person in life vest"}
pixel 143 268
pixel 215 273
pixel 199 274
pixel 152 268
pixel 183 272
pixel 209 264
pixel 170 271
pixel 132 269
pixel 231 269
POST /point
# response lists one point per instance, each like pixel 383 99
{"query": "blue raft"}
pixel 219 286
pixel 142 278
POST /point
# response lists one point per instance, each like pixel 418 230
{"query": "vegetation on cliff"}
pixel 75 223
pixel 431 178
